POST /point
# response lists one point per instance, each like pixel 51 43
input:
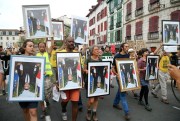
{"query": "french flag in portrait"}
pixel 78 69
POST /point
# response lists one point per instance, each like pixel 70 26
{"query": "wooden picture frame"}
pixel 128 78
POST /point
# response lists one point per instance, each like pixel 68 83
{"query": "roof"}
pixel 92 10
pixel 9 30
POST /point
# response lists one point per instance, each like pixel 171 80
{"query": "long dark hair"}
pixel 122 46
pixel 24 45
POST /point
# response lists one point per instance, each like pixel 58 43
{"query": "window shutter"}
pixel 175 15
pixel 128 30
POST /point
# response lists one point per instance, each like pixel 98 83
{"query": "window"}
pixel 105 38
pixel 139 4
pixel 111 6
pixel 139 28
pixel 153 1
pixel 102 13
pixel 115 3
pixel 7 38
pixel 1 33
pixel 101 26
pixel 7 32
pixel 119 16
pixel 98 28
pixel 1 38
pixel 118 35
pixel 105 11
pixel 153 24
pixel 105 25
pixel 13 32
pixel 128 9
pixel 13 38
pixel 112 23
pixel 128 30
pixel 175 15
pixel 119 2
pixel 112 37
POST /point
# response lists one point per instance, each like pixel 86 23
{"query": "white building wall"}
pixel 163 13
pixel 95 25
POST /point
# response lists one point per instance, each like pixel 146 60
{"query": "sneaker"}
pixel 64 116
pixel 148 108
pixel 127 117
pixel 141 103
pixel 165 101
pixel 117 107
pixel 155 95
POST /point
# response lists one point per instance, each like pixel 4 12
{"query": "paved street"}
pixel 161 112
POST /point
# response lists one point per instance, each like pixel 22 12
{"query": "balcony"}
pixel 138 37
pixel 118 24
pixel 139 12
pixel 175 1
pixel 128 38
pixel 153 35
pixel 111 27
pixel 154 6
pixel 128 17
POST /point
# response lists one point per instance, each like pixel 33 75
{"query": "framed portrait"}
pixel 128 77
pixel 170 31
pixel 69 70
pixel 58 30
pixel 79 29
pixel 152 65
pixel 98 79
pixel 37 21
pixel 26 77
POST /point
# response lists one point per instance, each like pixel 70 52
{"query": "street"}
pixel 160 112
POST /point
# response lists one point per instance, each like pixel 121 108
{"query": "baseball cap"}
pixel 130 50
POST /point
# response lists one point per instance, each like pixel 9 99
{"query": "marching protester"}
pixel 163 76
pixel 69 95
pixel 29 108
pixel 144 83
pixel 92 103
pixel 123 53
pixel 48 74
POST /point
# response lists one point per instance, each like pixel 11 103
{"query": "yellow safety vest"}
pixel 48 65
pixel 53 58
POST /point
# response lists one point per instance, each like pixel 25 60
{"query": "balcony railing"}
pixel 128 17
pixel 154 6
pixel 153 35
pixel 175 1
pixel 139 12
pixel 138 37
pixel 118 24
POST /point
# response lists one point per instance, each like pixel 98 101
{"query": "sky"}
pixel 11 16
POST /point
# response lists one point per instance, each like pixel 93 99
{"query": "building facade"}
pixel 97 25
pixel 9 37
pixel 142 19
pixel 115 23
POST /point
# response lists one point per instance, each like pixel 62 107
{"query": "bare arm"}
pixel 157 50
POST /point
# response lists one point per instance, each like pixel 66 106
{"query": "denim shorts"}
pixel 28 104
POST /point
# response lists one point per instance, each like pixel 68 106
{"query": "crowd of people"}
pixel 167 71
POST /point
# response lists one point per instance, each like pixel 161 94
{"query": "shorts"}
pixel 28 104
pixel 72 95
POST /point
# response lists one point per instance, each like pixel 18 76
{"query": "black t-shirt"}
pixel 118 55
